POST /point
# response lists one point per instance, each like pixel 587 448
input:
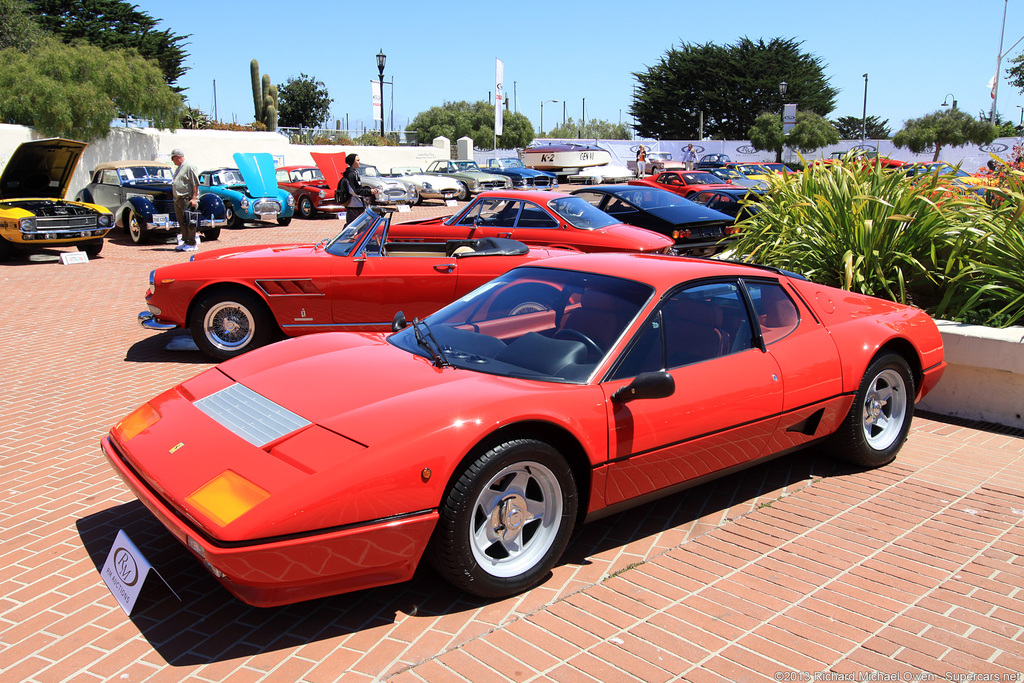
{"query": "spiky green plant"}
pixel 852 225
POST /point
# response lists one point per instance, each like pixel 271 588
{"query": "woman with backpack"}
pixel 351 193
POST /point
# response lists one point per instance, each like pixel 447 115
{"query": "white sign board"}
pixel 69 257
pixel 125 571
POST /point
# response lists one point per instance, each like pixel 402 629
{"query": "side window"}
pixel 592 197
pixel 705 322
pixel 282 176
pixel 647 354
pixel 498 213
pixel 533 216
pixel 617 207
pixel 110 177
pixel 776 312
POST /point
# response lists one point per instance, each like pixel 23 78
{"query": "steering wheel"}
pixel 591 345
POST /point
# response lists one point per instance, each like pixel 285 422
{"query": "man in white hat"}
pixel 185 187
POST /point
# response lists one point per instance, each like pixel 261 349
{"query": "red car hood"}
pixel 255 251
pixel 363 388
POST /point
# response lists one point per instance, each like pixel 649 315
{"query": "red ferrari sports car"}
pixel 234 300
pixel 683 182
pixel 541 217
pixel 481 437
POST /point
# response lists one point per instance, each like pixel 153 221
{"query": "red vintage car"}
pixel 233 300
pixel 545 218
pixel 312 193
pixel 683 183
pixel 480 438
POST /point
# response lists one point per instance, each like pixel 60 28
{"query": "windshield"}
pixel 510 163
pixel 727 173
pixel 407 170
pixel 651 198
pixel 580 213
pixel 466 165
pixel 346 240
pixel 368 172
pixel 228 176
pixel 752 169
pixel 146 174
pixel 535 323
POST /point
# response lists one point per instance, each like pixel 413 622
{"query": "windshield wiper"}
pixel 432 347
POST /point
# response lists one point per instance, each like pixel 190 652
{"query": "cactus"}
pixel 257 94
pixel 264 97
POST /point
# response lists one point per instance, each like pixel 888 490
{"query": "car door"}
pixel 107 189
pixel 369 287
pixel 727 399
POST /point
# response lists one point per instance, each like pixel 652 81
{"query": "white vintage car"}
pixel 391 190
pixel 426 186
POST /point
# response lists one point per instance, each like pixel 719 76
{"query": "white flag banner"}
pixel 499 95
pixel 378 109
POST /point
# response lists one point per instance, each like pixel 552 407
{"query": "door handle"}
pixel 444 267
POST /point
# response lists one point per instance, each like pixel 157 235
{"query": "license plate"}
pixel 268 216
pixel 160 218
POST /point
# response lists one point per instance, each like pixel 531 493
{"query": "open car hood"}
pixel 41 168
pixel 258 172
pixel 331 164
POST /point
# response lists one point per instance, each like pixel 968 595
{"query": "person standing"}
pixel 185 187
pixel 641 158
pixel 358 195
pixel 689 158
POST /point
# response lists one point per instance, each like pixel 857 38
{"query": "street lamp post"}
pixel 542 103
pixel 949 96
pixel 783 86
pixel 381 59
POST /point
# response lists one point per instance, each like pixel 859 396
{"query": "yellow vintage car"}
pixel 33 212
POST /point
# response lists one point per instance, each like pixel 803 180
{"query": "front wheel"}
pixel 879 421
pixel 463 195
pixel 91 250
pixel 227 324
pixel 284 221
pixel 506 519
pixel 137 229
pixel 305 207
pixel 233 221
pixel 211 234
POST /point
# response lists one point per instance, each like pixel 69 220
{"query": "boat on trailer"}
pixel 565 155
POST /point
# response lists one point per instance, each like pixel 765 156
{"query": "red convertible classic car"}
pixel 234 300
pixel 311 192
pixel 545 218
pixel 481 437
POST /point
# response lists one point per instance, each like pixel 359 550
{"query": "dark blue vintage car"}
pixel 522 178
pixel 138 193
pixel 738 202
pixel 696 229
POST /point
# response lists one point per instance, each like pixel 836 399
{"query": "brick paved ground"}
pixel 795 567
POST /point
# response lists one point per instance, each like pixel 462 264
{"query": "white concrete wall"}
pixel 210 149
pixel 984 378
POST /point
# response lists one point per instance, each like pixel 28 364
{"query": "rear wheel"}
pixel 233 221
pixel 879 421
pixel 211 234
pixel 506 519
pixel 227 324
pixel 463 195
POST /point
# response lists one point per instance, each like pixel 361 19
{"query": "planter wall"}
pixel 984 379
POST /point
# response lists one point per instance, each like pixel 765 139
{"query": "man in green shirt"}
pixel 185 187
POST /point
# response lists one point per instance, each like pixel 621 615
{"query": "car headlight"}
pixel 103 220
pixel 244 203
pixel 322 194
pixel 291 201
pixel 27 224
pixel 428 187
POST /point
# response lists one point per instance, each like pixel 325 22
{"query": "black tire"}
pixel 505 520
pixel 463 195
pixel 226 324
pixel 233 221
pixel 211 234
pixel 879 420
pixel 305 207
pixel 92 250
pixel 284 221
pixel 136 228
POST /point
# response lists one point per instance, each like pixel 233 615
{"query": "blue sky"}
pixel 915 52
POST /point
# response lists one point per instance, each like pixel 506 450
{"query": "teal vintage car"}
pixel 250 192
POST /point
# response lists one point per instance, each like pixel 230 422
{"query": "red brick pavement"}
pixel 783 572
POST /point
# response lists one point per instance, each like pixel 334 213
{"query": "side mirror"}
pixel 646 385
pixel 398 323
